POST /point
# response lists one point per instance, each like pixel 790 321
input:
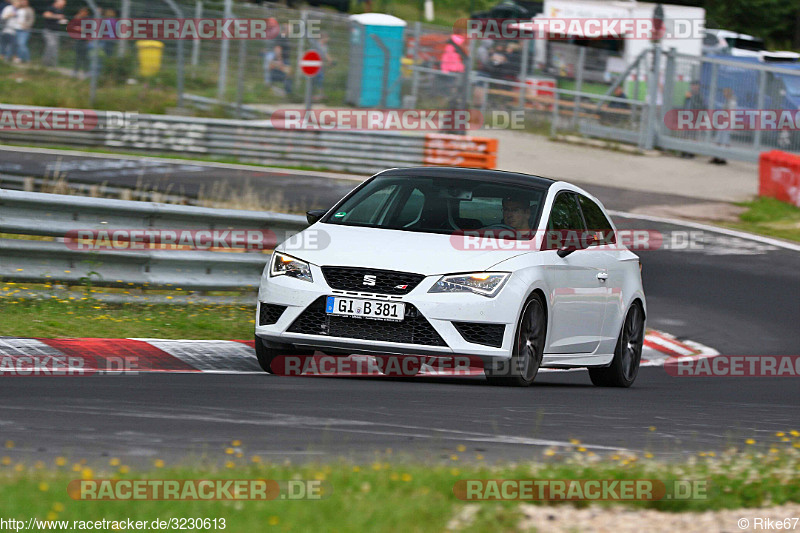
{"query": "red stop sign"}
pixel 311 63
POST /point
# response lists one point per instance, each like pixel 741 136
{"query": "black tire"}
pixel 411 367
pixel 624 367
pixel 266 355
pixel 529 343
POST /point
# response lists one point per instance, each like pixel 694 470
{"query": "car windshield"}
pixel 753 45
pixel 442 205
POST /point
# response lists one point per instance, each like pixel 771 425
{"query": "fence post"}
pixel 712 96
pixel 554 121
pixel 762 88
pixel 223 56
pixel 468 73
pixel 523 74
pixel 578 85
pixel 669 89
pixel 652 98
pixel 414 71
pixel 179 13
pixel 124 13
pixel 94 63
pixel 198 13
pixel 300 48
pixel 240 77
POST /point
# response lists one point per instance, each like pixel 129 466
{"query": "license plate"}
pixel 374 309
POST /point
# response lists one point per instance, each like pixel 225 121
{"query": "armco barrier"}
pixel 53 215
pixel 779 176
pixel 258 142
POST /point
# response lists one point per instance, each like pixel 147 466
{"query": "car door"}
pixel 608 259
pixel 577 295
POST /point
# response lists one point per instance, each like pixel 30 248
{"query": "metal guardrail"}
pixel 53 215
pixel 258 142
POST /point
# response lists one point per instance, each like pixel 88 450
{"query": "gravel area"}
pixel 621 520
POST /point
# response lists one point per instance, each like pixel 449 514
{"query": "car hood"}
pixel 386 249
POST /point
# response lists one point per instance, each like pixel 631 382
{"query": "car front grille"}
pixel 269 313
pixel 486 334
pixel 413 329
pixel 385 281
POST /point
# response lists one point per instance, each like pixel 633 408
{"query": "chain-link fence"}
pixel 562 86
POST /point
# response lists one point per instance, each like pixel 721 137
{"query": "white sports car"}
pixel 521 271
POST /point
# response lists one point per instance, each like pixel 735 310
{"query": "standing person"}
pixel 279 70
pixel 617 110
pixel 8 17
pixel 694 101
pixel 451 62
pixel 108 44
pixel 54 19
pixel 26 15
pixel 321 46
pixel 81 48
pixel 284 41
pixel 723 137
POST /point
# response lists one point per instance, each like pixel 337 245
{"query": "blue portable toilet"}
pixel 373 36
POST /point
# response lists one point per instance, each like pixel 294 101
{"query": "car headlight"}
pixel 484 283
pixel 286 265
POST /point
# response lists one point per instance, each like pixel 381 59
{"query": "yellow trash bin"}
pixel 149 57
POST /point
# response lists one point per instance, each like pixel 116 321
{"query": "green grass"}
pixel 389 492
pixel 42 87
pixel 80 315
pixel 772 217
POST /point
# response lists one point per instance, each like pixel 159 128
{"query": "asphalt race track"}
pixel 736 295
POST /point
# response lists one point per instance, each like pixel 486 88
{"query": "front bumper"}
pixel 440 310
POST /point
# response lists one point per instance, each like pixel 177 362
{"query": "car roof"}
pixel 499 176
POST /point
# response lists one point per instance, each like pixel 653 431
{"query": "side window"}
pixel 370 210
pixel 596 221
pixel 412 209
pixel 565 214
pixel 565 225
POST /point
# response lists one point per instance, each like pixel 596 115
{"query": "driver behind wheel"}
pixel 517 214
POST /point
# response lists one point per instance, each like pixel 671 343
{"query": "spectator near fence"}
pixel 322 48
pixel 694 101
pixel 108 44
pixel 81 48
pixel 26 16
pixel 8 18
pixel 54 20
pixel 617 111
pixel 723 136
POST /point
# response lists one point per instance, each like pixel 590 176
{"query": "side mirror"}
pixel 315 214
pixel 586 242
pixel 564 251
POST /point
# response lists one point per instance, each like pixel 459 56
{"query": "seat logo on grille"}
pixel 370 280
